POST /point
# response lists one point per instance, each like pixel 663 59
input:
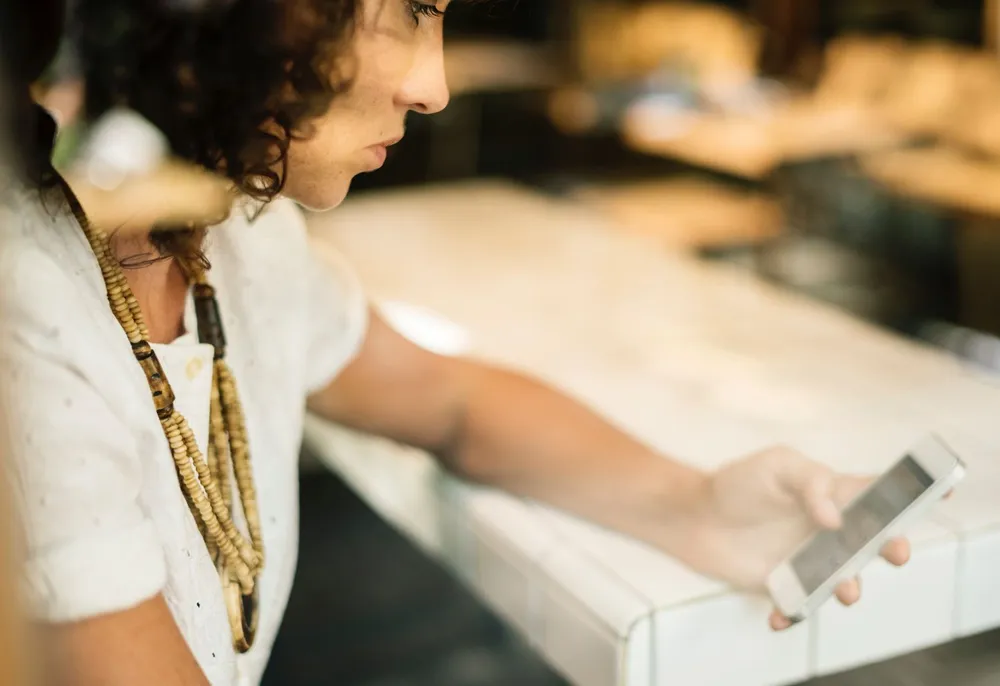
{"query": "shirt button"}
pixel 194 367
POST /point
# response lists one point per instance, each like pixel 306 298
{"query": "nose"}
pixel 425 88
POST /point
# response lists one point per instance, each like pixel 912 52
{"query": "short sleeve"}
pixel 75 468
pixel 338 315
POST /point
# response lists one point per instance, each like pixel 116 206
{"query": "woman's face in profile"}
pixel 398 67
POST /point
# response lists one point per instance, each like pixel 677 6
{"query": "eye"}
pixel 422 9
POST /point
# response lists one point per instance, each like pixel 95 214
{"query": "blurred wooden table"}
pixel 753 146
pixel 940 175
pixel 701 361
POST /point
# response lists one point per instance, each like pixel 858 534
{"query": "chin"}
pixel 320 198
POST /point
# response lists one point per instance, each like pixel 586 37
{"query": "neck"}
pixel 159 285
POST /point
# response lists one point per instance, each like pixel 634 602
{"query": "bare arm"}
pixel 138 646
pixel 504 429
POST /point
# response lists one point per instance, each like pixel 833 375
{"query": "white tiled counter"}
pixel 702 362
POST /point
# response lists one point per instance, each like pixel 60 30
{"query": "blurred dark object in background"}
pixel 30 36
pixel 534 21
pixel 862 248
pixel 958 21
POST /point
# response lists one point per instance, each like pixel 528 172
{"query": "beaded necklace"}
pixel 206 481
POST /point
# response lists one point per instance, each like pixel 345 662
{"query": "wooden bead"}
pixel 163 394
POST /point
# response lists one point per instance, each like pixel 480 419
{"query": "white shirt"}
pixel 106 523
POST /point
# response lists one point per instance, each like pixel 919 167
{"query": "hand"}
pixel 758 510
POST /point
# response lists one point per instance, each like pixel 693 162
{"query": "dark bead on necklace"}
pixel 206 309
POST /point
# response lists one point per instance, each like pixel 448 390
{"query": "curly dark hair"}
pixel 230 84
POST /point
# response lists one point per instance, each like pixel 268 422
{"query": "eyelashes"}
pixel 424 10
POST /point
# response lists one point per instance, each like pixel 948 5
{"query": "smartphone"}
pixel 883 511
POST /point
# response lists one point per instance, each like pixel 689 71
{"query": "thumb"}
pixel 813 485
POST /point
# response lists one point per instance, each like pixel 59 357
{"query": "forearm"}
pixel 503 429
pixel 524 437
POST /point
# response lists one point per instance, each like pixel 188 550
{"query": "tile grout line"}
pixel 562 537
pixel 960 564
pixel 654 608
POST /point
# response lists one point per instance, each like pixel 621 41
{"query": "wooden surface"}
pixel 752 146
pixel 615 41
pixel 941 175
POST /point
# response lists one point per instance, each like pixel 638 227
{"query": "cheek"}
pixel 316 176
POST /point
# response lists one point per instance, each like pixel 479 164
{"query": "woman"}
pixel 159 495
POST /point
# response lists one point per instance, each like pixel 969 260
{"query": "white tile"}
pixel 580 647
pixel 974 505
pixel 726 641
pixel 978 586
pixel 688 608
pixel 656 577
pixel 400 483
pixel 507 582
pixel 510 542
pixel 902 610
pixel 458 541
pixel 637 655
pixel 510 519
pixel 588 618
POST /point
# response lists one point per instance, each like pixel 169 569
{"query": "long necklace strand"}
pixel 206 482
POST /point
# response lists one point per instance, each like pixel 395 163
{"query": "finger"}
pixel 849 592
pixel 810 483
pixel 816 487
pixel 819 500
pixel 779 622
pixel 897 552
pixel 848 487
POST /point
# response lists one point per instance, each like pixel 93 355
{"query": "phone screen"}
pixel 863 520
